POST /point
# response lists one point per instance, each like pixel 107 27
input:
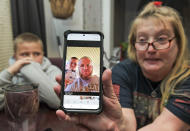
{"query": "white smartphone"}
pixel 82 72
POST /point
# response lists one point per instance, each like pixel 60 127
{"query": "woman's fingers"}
pixel 70 118
pixel 82 128
pixel 74 119
pixel 59 78
pixel 57 89
pixel 107 84
pixel 62 116
pixel 97 122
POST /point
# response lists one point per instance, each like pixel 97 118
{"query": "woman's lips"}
pixel 151 60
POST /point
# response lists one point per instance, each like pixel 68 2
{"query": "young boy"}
pixel 28 65
pixel 71 72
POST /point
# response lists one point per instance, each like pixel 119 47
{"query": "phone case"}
pixel 97 111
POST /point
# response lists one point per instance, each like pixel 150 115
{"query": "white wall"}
pixel 94 15
pixel 92 11
pixel 57 27
pixel 107 27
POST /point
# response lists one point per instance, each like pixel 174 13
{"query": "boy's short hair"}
pixel 26 37
pixel 74 58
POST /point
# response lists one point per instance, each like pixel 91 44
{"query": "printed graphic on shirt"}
pixel 146 108
pixel 182 104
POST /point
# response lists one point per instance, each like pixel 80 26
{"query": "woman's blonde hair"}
pixel 180 69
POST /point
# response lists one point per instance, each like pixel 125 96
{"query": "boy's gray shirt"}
pixel 43 74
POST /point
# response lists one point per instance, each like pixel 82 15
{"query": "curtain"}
pixel 28 16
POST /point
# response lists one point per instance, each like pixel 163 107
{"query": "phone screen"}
pixel 82 72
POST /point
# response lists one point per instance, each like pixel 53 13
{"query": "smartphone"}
pixel 82 72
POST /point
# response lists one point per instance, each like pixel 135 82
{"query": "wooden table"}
pixel 46 119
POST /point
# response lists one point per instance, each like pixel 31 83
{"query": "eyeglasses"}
pixel 159 44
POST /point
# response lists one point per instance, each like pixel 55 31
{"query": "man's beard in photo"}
pixel 86 77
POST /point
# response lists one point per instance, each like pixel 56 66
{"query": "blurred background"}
pixel 50 18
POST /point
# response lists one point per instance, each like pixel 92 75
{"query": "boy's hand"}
pixel 15 68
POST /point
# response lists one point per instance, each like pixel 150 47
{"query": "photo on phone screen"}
pixel 82 73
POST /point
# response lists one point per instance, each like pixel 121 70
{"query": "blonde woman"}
pixel 153 85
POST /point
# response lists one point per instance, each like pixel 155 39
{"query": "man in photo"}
pixel 86 81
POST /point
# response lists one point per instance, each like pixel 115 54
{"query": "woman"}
pixel 153 85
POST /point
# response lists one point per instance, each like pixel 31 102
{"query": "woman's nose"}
pixel 151 47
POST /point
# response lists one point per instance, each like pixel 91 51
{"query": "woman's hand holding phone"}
pixel 83 58
pixel 111 116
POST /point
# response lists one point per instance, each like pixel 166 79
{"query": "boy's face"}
pixel 32 50
pixel 73 64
